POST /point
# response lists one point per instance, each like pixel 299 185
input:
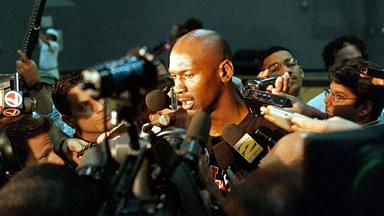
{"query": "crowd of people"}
pixel 266 170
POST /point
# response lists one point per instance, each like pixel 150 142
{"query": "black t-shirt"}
pixel 222 155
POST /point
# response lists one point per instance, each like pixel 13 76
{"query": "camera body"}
pixel 133 73
pixel 260 84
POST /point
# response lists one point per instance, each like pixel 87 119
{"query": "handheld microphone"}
pixel 12 100
pixel 196 137
pixel 242 142
pixel 157 100
pixel 179 118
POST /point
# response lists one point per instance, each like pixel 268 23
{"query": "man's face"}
pixel 197 81
pixel 282 61
pixel 340 101
pixel 42 150
pixel 87 113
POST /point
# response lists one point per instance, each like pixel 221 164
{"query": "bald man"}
pixel 202 69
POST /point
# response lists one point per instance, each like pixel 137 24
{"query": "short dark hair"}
pixel 61 89
pixel 190 24
pixel 348 75
pixel 48 189
pixel 20 131
pixel 269 51
pixel 331 48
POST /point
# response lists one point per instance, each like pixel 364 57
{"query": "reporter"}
pixel 353 98
pixel 280 61
pixel 30 141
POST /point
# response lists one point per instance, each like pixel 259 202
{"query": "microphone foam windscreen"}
pixel 157 100
pixel 199 127
pixel 232 133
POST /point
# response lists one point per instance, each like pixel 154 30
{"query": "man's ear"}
pixel 226 70
pixel 365 109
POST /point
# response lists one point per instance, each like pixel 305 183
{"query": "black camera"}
pixel 132 73
pixel 375 72
pixel 260 84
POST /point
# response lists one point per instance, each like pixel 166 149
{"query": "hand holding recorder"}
pixel 293 122
pixel 280 117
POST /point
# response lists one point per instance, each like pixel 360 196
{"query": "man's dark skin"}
pixel 202 71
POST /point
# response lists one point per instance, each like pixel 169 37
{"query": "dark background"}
pixel 95 31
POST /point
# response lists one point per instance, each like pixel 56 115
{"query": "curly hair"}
pixel 348 75
pixel 61 89
pixel 334 46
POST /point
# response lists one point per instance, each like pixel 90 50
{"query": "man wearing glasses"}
pixel 352 101
pixel 279 61
pixel 352 97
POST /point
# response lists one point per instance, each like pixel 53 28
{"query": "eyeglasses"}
pixel 275 67
pixel 335 98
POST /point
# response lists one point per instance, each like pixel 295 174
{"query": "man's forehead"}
pixel 77 94
pixel 280 55
pixel 179 61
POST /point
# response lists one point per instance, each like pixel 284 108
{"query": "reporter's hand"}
pixel 74 148
pixel 27 68
pixel 265 111
pixel 306 124
pixel 281 85
pixel 264 74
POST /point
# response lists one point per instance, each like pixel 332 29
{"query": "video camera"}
pixel 260 84
pixel 374 72
pixel 113 77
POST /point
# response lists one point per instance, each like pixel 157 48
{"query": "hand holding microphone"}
pixel 158 101
pixel 69 149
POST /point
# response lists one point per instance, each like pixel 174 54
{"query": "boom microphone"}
pixel 242 142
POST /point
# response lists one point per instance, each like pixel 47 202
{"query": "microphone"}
pixel 179 118
pixel 242 142
pixel 196 137
pixel 12 100
pixel 157 100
